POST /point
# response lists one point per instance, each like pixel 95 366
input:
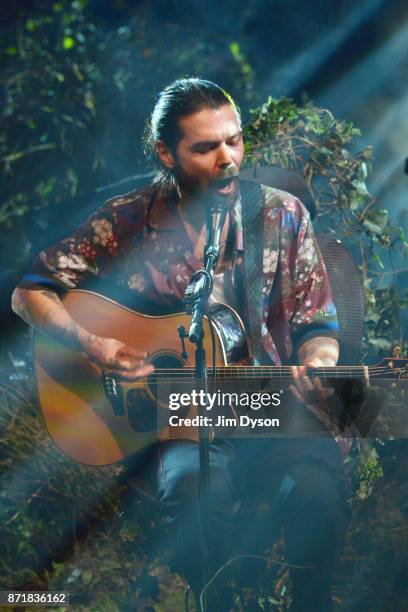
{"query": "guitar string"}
pixel 271 369
pixel 283 371
pixel 243 379
pixel 186 378
pixel 241 376
pixel 271 377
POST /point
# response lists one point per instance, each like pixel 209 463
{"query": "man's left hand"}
pixel 309 391
pixel 318 352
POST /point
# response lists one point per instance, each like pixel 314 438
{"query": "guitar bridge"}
pixel 114 394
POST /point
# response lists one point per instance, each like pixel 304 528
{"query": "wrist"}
pixel 318 361
pixel 86 340
pixel 320 351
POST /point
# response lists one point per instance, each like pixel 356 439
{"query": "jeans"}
pixel 257 488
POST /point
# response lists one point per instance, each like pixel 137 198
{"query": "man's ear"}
pixel 164 154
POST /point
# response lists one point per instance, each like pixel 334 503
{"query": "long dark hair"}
pixel 181 98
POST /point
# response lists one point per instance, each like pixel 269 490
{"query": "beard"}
pixel 187 183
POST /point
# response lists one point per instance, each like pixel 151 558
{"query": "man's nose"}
pixel 224 158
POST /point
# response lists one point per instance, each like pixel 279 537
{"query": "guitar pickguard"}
pixel 231 331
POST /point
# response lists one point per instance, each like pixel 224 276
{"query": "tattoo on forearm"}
pixel 48 315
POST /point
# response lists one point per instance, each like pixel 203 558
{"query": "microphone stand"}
pixel 196 300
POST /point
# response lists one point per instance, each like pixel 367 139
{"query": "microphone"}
pixel 197 292
pixel 216 211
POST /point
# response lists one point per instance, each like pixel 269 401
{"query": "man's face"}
pixel 210 151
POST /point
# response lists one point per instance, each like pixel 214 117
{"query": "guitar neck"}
pixel 367 374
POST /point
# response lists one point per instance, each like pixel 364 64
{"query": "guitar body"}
pixel 79 413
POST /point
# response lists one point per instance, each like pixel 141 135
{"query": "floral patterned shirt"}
pixel 137 244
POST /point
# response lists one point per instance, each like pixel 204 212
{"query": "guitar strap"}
pixel 253 232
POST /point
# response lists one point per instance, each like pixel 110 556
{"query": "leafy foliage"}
pixel 369 470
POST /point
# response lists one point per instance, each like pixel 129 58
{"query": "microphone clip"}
pixel 216 213
pixel 211 256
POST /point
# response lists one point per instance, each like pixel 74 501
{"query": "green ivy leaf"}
pixel 381 343
pixel 235 50
pixel 360 187
pixel 376 221
pixel 377 258
pixel 68 42
pixel 31 25
pixel 363 171
pixel 372 316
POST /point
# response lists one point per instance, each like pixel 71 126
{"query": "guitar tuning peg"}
pixel 396 352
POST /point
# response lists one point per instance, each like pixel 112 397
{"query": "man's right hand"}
pixel 115 358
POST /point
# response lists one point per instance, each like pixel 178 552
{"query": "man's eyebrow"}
pixel 204 143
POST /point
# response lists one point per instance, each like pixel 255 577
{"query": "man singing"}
pixel 149 243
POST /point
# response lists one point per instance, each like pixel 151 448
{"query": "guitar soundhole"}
pixel 167 378
pixel 167 360
pixel 159 382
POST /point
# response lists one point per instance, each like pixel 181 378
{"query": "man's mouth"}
pixel 225 186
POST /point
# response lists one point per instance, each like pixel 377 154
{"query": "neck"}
pixel 192 209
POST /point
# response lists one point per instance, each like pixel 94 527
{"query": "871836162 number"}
pixel 34 598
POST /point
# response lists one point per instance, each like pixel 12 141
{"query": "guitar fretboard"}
pixel 282 373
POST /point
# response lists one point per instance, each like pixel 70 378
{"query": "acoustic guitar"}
pixel 98 420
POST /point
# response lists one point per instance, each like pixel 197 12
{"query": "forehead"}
pixel 210 124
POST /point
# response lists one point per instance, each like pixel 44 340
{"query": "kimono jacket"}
pixel 137 244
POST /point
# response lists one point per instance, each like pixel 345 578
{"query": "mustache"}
pixel 226 175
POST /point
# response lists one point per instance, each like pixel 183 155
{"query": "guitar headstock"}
pixel 395 365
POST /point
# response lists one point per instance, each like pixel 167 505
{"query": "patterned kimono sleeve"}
pixel 88 253
pixel 314 310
